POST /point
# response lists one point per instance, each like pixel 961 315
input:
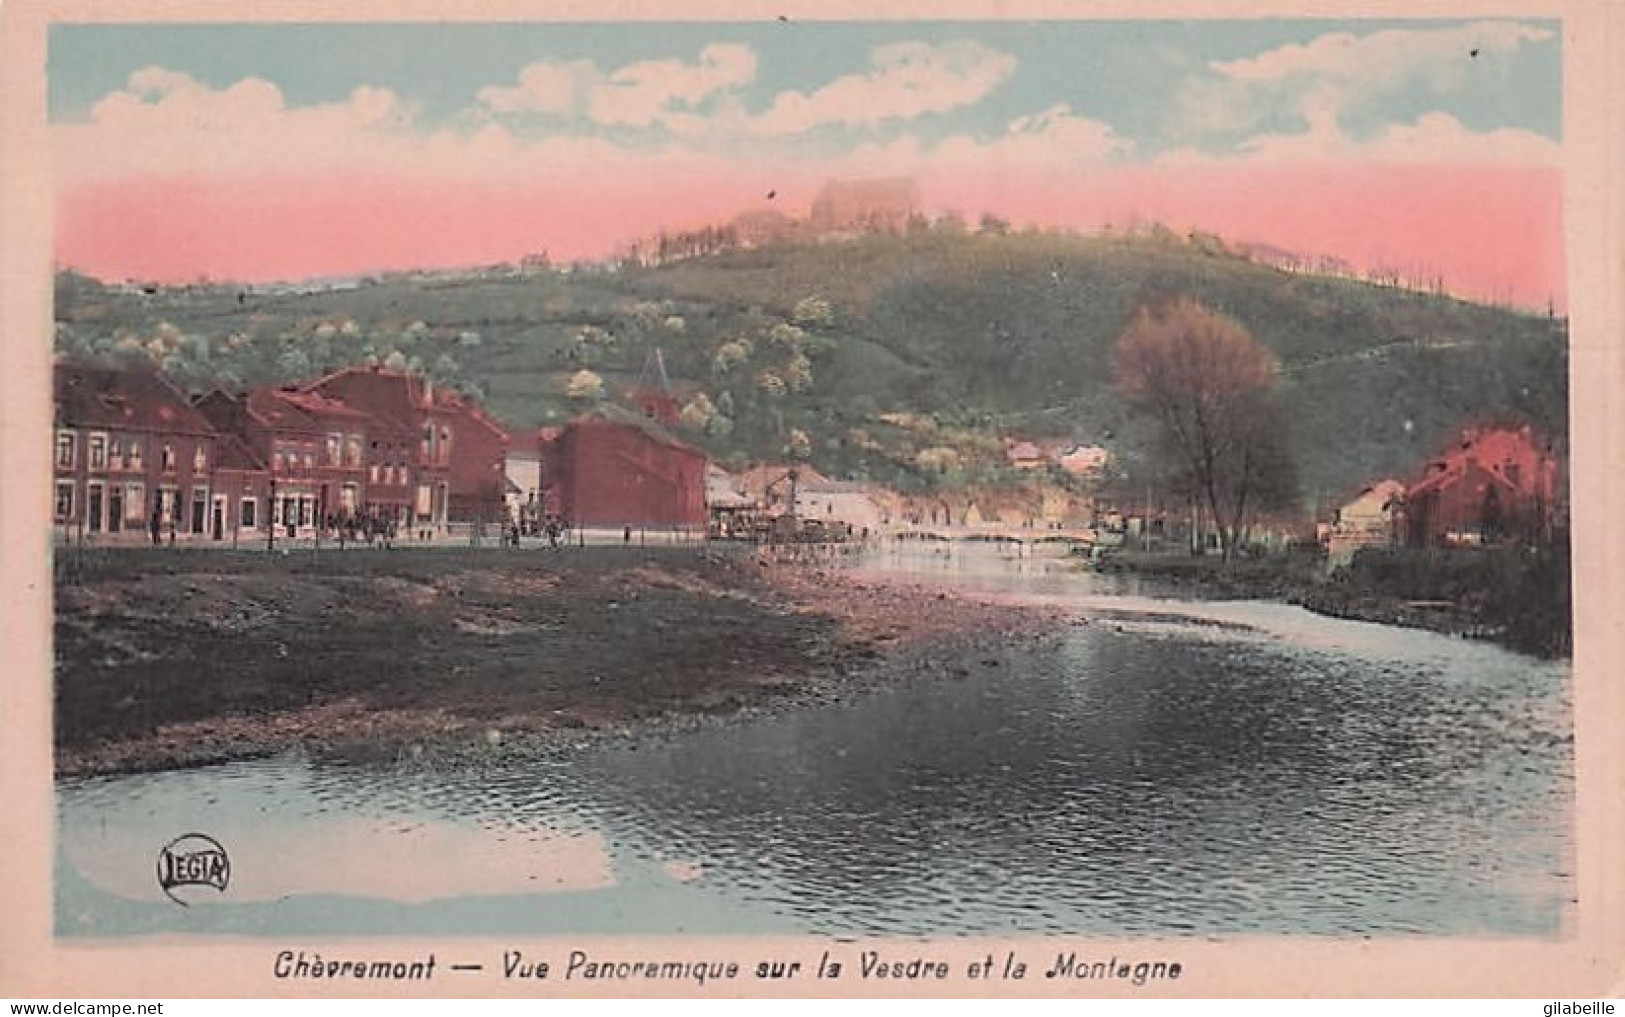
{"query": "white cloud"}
pixel 558 88
pixel 166 125
pixel 1055 140
pixel 1051 143
pixel 165 122
pixel 640 94
pixel 905 80
pixel 1435 138
pixel 1439 137
pixel 1393 56
pixel 1340 71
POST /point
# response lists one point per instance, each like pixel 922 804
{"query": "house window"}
pixel 115 453
pixel 333 442
pixel 200 459
pixel 426 446
pixel 65 444
pixel 352 453
pixel 64 500
pixel 444 451
pixel 310 461
pixel 373 473
pixel 135 454
pixel 246 513
pixel 135 502
pixel 166 458
pixel 98 451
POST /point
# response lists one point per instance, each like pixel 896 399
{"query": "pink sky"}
pixel 1493 233
pixel 170 177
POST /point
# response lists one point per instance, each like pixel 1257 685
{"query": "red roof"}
pixel 610 415
pixel 295 410
pixel 317 404
pixel 129 399
pixel 1482 451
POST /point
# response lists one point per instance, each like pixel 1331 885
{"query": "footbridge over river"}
pixel 993 533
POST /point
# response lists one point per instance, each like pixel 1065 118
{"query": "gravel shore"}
pixel 167 660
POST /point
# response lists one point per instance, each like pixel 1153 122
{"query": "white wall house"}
pixel 838 501
pixel 1366 521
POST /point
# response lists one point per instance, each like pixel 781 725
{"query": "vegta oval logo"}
pixel 193 859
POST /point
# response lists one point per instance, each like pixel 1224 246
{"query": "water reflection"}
pixel 1212 768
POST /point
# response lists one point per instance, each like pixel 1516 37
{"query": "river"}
pixel 1164 767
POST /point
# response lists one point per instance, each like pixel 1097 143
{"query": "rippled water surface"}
pixel 1163 767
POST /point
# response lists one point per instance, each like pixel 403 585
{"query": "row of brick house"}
pixel 135 459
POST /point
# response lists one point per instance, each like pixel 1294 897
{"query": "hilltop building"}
pixel 763 227
pixel 877 205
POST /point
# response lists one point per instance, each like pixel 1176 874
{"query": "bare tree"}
pixel 1208 383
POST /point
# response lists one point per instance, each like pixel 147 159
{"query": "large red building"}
pixel 131 455
pixel 1493 486
pixel 457 462
pixel 614 468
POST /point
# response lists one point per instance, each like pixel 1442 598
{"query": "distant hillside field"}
pixel 902 359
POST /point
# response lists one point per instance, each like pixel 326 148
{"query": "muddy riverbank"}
pixel 1516 597
pixel 168 659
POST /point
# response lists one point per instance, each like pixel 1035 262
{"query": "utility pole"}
pixel 1145 520
pixel 271 519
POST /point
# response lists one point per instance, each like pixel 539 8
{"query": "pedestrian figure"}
pixel 626 536
pixel 155 527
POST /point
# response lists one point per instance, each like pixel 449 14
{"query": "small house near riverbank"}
pixel 1366 521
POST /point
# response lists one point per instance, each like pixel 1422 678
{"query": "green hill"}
pixel 902 359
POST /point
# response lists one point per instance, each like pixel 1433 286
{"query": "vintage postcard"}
pixel 1014 499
